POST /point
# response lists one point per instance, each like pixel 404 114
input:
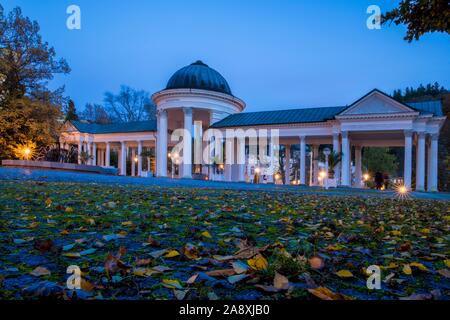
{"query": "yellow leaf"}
pixel 69 210
pixel 172 284
pixel 407 269
pixel 420 266
pixel 396 233
pixel 206 234
pixel 447 263
pixel 258 263
pixel 344 274
pixel 48 202
pixel 425 230
pixel 171 254
pixel 122 234
pixel 127 223
pixel 71 255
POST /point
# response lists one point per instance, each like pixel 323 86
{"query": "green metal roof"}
pixel 307 115
pixel 428 107
pixel 93 128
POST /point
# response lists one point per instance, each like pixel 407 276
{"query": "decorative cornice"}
pixel 379 116
pixel 201 93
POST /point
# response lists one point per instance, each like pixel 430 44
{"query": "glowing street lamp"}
pixel 366 177
pixel 27 153
pixel 327 153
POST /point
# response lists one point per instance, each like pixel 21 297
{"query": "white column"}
pixel 89 151
pixel 108 155
pixel 161 151
pixel 287 170
pixel 433 154
pixel 133 163
pixel 302 160
pixel 123 158
pixel 358 166
pixel 187 144
pixel 337 149
pixel 139 164
pixel 80 149
pixel 94 154
pixel 420 174
pixel 241 158
pixel 315 171
pixel 408 160
pixel 346 156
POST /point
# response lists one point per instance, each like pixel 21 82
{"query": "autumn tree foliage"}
pixel 29 110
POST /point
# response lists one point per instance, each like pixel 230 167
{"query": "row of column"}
pixel 422 151
pixel 104 156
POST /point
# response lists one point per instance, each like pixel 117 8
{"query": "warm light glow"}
pixel 176 155
pixel 402 191
pixel 257 170
pixel 322 174
pixel 169 155
pixel 277 176
pixel 221 167
pixel 25 151
pixel 136 159
pixel 320 179
pixel 366 177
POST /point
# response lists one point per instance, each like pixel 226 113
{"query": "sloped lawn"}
pixel 158 243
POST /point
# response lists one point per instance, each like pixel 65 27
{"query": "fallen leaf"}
pixel 236 278
pixel 344 274
pixel 40 271
pixel 258 263
pixel 240 266
pixel 192 279
pixel 280 282
pixel 316 263
pixel 171 254
pixel 407 269
pixel 326 294
pixel 206 234
pixel 172 284
pixel 221 273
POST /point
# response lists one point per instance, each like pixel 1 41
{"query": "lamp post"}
pixel 327 153
pixel 174 159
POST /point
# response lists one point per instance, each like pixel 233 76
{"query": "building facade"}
pixel 199 100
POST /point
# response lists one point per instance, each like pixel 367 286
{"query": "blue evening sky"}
pixel 275 54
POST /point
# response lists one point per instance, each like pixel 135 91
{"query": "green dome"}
pixel 199 76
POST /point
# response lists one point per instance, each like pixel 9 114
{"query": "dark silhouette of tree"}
pixel 420 17
pixel 71 113
pixel 129 105
pixel 96 113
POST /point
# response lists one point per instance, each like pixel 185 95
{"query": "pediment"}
pixel 376 102
pixel 69 127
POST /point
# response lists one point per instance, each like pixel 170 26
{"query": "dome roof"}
pixel 199 76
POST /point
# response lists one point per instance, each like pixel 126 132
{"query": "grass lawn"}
pixel 147 242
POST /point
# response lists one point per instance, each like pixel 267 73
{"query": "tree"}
pixel 26 60
pixel 129 105
pixel 420 17
pixel 379 160
pixel 29 111
pixel 71 113
pixel 96 113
